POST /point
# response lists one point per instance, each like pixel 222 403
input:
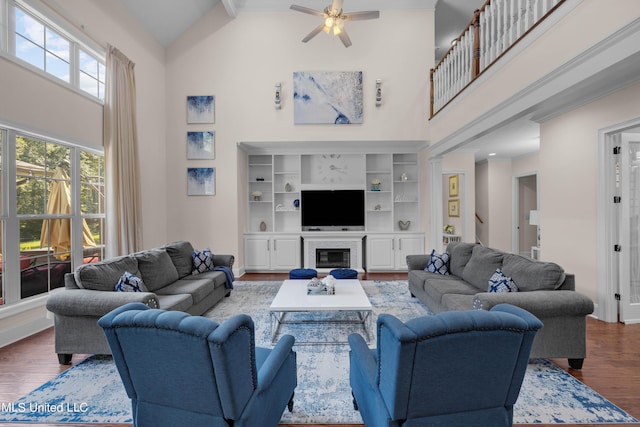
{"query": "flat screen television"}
pixel 332 210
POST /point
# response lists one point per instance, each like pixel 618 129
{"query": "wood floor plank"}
pixel 612 366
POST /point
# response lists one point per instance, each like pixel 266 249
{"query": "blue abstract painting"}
pixel 327 97
pixel 200 145
pixel 201 181
pixel 201 109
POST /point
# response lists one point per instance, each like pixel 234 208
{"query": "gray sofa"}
pixel 89 293
pixel 543 289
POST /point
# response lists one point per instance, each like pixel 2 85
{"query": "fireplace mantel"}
pixel 314 241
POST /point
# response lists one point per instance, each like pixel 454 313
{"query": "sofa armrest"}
pixel 223 260
pixel 86 302
pixel 540 303
pixel 417 262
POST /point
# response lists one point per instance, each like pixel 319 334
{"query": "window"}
pixel 92 75
pixel 59 214
pixel 41 46
pixel 47 46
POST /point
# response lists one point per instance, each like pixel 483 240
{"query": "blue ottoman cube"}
pixel 344 273
pixel 303 273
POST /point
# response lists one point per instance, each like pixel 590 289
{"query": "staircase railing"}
pixel 493 30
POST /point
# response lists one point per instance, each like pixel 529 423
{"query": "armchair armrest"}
pixel 540 303
pixel 274 361
pixel 86 302
pixel 223 260
pixel 363 362
pixel 417 262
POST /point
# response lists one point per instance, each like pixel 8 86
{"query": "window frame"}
pixel 9 215
pixel 77 40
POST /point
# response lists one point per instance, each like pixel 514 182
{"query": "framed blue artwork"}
pixel 201 181
pixel 327 97
pixel 201 145
pixel 201 109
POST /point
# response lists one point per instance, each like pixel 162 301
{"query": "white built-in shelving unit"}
pixel 274 234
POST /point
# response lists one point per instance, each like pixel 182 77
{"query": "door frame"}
pixel 607 308
pixel 515 210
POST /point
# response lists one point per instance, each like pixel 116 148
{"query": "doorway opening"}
pixel 526 236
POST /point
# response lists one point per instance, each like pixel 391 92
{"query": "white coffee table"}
pixel 292 297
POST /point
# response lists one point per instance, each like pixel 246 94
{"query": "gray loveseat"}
pixel 544 289
pixel 89 293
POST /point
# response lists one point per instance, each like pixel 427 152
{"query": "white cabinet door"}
pixel 285 253
pixel 408 245
pixel 257 253
pixel 380 253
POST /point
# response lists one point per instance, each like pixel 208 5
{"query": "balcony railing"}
pixel 493 30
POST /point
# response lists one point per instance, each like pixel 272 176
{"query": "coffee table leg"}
pixel 276 321
pixel 365 317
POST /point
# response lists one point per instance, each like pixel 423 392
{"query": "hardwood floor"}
pixel 612 366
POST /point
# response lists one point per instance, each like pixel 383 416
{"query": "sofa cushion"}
pixel 103 275
pixel 181 256
pixel 217 277
pixel 198 289
pixel 438 263
pixel 531 275
pixel 481 266
pixel 500 282
pixel 177 302
pixel 458 301
pixel 437 288
pixel 156 268
pixel 130 283
pixel 459 255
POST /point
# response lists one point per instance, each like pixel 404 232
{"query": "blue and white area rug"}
pixel 91 392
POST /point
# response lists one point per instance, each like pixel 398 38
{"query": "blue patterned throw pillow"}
pixel 438 263
pixel 130 283
pixel 202 261
pixel 500 282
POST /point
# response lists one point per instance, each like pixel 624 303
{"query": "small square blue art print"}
pixel 201 181
pixel 201 109
pixel 200 145
pixel 327 97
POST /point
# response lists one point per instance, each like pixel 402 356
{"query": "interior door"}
pixel 629 284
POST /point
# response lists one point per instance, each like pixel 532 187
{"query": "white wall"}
pixel 240 60
pixel 568 181
pixel 500 204
pixel 109 22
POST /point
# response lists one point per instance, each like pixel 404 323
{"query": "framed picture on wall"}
pixel 453 186
pixel 201 145
pixel 201 181
pixel 454 208
pixel 201 109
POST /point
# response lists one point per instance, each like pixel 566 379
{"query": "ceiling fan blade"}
pixel 336 5
pixel 344 38
pixel 358 16
pixel 306 10
pixel 313 33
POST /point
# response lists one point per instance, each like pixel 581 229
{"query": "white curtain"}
pixel 124 227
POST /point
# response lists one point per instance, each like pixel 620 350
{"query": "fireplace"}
pixel 333 258
pixel 326 251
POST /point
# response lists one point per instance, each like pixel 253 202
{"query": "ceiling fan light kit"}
pixel 333 20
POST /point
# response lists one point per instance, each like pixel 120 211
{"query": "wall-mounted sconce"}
pixel 378 92
pixel 277 97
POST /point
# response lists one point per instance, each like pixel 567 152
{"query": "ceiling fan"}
pixel 333 20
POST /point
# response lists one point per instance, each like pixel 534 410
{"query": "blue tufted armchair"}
pixel 183 370
pixel 457 368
